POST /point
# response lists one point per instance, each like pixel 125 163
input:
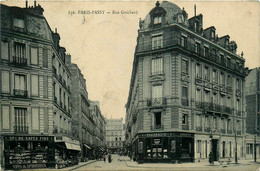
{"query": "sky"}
pixel 103 45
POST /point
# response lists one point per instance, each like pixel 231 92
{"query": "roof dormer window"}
pixel 212 35
pixel 19 23
pixel 157 20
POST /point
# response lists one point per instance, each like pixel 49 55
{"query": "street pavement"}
pixel 124 163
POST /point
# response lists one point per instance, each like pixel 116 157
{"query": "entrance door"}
pixel 157 151
pixel 215 149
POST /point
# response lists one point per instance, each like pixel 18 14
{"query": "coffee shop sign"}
pixel 28 138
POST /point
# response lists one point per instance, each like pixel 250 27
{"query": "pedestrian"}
pixel 104 157
pixel 109 158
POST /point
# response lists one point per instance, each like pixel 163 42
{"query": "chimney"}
pixel 195 10
pixel 55 30
pixel 26 4
pixel 34 3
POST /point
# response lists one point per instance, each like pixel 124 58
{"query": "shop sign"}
pixel 29 166
pixel 166 134
pixel 28 138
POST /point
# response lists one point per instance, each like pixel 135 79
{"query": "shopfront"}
pixel 164 147
pixel 67 151
pixel 29 152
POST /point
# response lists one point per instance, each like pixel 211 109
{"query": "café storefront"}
pixel 166 147
pixel 29 152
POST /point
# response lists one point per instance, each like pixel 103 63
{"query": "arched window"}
pixel 157 20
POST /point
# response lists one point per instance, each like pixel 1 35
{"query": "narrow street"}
pixel 123 163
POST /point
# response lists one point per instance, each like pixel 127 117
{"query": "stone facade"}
pixel 186 96
pixel 115 135
pixel 35 83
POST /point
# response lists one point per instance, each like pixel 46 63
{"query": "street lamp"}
pixel 236 147
pixel 255 145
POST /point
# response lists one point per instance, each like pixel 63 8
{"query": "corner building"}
pixel 186 96
pixel 35 92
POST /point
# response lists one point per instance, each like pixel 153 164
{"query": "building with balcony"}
pixel 34 91
pixel 186 96
pixel 98 127
pixel 80 111
pixel 115 135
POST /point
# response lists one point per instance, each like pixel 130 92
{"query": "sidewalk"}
pixel 81 164
pixel 130 163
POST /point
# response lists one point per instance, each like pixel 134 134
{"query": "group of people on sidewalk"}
pixel 107 156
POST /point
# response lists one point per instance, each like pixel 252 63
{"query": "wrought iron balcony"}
pixel 229 131
pixel 156 101
pixel 185 127
pixel 21 61
pixel 207 129
pixel 223 131
pixel 157 127
pixel 198 128
pixel 185 102
pixel 21 93
pixel 21 129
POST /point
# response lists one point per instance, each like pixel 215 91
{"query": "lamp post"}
pixel 236 147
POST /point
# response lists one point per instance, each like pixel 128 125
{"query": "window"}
pixel 228 62
pixel 215 76
pixel 157 20
pixel 34 56
pixel 206 121
pixel 184 119
pixel 228 124
pixel 206 51
pixel 222 59
pixel 222 78
pixel 183 41
pixel 207 96
pixel 198 120
pixel 156 91
pixel 229 81
pixel 157 119
pixel 198 71
pixel 214 123
pixel 184 98
pixel 4 50
pixel 19 53
pixel 184 66
pixel 214 98
pixel 197 47
pixel 157 66
pixel 157 42
pixel 212 35
pixel 45 58
pixel 19 23
pixel 198 95
pixel 20 82
pixel 214 53
pixel 5 117
pixel 206 73
pixel 20 119
pixel 223 126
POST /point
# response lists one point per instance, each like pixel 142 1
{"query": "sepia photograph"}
pixel 130 85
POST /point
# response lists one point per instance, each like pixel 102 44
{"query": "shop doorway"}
pixel 157 151
pixel 215 149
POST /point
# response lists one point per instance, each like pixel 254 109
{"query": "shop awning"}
pixel 72 146
pixel 87 146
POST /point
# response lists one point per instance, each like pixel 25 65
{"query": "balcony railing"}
pixel 213 107
pixel 229 131
pixel 21 129
pixel 19 61
pixel 198 128
pixel 157 72
pixel 239 132
pixel 21 93
pixel 156 101
pixel 223 131
pixel 207 129
pixel 185 102
pixel 185 127
pixel 157 127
